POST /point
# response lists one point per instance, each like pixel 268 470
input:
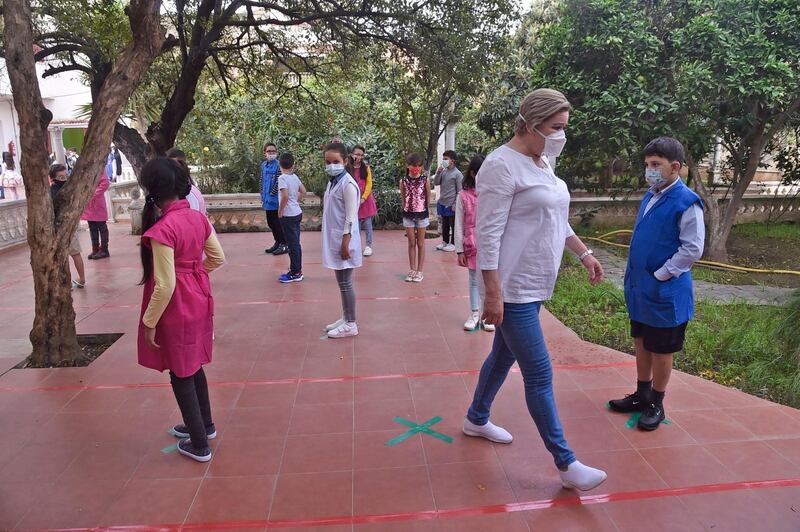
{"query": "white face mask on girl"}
pixel 334 170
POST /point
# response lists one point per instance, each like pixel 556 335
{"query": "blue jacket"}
pixel 655 240
pixel 270 171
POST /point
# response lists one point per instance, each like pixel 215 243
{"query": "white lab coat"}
pixel 334 214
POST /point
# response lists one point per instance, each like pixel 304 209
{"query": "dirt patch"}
pixel 92 346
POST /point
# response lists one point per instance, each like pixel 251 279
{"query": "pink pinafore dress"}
pixel 185 329
pixel 470 201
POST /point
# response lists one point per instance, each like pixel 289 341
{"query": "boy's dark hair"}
pixel 472 171
pixel 286 160
pixel 55 169
pixel 337 147
pixel 667 147
pixel 414 159
pixel 451 154
pixel 267 145
pixel 175 153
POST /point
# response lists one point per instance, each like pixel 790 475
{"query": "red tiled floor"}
pixel 299 450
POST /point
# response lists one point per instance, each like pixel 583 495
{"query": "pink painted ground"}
pixel 302 421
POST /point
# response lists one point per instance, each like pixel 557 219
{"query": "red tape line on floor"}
pixel 345 378
pixel 463 512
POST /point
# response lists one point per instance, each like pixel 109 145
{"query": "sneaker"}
pixel 472 322
pixel 272 249
pixel 418 277
pixel 335 325
pixel 631 403
pixel 186 448
pixel 283 249
pixel 181 431
pixel 410 277
pixel 345 330
pixel 368 251
pixel 488 327
pixel 441 246
pixel 652 416
pixel 78 284
pixel 449 248
pixel 490 431
pixel 290 277
pixel 582 477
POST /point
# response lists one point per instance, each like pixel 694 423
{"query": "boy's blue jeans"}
pixel 291 233
pixel 519 338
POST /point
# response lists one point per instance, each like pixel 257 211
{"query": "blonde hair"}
pixel 538 106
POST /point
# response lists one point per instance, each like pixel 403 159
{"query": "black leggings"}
pixel 274 224
pixel 99 234
pixel 448 229
pixel 192 396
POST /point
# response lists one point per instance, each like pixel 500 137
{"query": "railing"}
pixel 13 223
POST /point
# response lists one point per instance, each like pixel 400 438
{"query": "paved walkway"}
pixel 614 266
pixel 303 421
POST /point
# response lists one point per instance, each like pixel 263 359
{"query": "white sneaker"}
pixel 472 322
pixel 345 330
pixel 582 477
pixel 335 325
pixel 449 248
pixel 418 277
pixel 488 327
pixel 490 431
pixel 368 251
pixel 410 277
pixel 441 247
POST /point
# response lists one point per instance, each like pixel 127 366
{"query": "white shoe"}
pixel 490 431
pixel 449 248
pixel 488 327
pixel 410 277
pixel 418 277
pixel 345 330
pixel 582 477
pixel 472 323
pixel 441 247
pixel 368 251
pixel 335 325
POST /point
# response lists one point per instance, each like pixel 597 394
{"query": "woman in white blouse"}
pixel 522 228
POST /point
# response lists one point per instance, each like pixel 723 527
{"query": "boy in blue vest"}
pixel 270 173
pixel 667 240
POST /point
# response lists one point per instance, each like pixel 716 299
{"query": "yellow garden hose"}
pixel 707 263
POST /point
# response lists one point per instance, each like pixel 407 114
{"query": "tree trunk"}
pixel 51 224
pixel 133 145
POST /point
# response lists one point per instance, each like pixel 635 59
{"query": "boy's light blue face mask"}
pixel 654 177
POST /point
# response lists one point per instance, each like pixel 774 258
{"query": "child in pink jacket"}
pixel 96 213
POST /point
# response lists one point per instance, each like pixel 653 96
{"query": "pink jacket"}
pixel 96 210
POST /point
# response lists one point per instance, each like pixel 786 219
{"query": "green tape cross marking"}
pixel 415 428
pixel 634 420
pixel 169 449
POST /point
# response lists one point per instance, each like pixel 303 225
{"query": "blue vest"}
pixel 269 175
pixel 655 240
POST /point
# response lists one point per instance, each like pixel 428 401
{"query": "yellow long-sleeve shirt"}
pixel 164 275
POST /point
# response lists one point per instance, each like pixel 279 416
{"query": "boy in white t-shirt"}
pixel 290 215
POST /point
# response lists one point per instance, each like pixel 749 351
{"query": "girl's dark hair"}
pixel 472 171
pixel 337 147
pixel 414 159
pixel 178 155
pixel 358 147
pixel 9 160
pixel 55 169
pixel 162 179
pixel 351 169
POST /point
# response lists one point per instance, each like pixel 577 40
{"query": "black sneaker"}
pixel 182 431
pixel 631 403
pixel 186 448
pixel 282 250
pixel 272 249
pixel 652 416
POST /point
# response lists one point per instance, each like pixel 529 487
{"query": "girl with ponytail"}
pixel 175 330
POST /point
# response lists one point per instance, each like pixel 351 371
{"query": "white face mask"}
pixel 553 143
pixel 334 170
pixel 271 157
pixel 654 177
pixel 445 163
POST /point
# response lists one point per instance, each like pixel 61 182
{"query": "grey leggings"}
pixel 345 280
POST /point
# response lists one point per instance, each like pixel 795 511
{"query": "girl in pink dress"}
pixel 175 330
pixel 96 213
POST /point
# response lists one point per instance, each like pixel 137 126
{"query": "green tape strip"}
pixel 634 420
pixel 418 428
pixel 169 449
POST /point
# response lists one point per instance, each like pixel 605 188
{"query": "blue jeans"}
pixel 366 226
pixel 291 234
pixel 474 294
pixel 520 338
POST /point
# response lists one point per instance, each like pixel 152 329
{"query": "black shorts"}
pixel 660 340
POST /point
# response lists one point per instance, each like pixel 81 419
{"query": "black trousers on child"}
pixel 274 224
pixel 99 234
pixel 192 396
pixel 448 229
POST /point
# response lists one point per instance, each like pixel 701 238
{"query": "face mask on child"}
pixel 654 177
pixel 334 170
pixel 271 157
pixel 445 163
pixel 415 171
